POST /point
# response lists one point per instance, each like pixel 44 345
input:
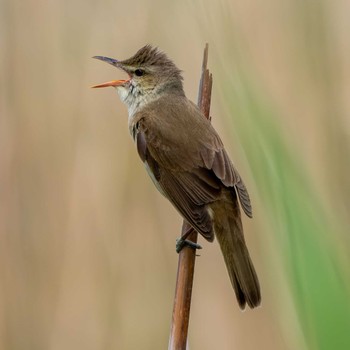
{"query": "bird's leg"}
pixel 183 242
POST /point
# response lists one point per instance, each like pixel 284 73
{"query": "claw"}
pixel 181 243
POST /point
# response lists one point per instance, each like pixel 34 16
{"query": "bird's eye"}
pixel 139 72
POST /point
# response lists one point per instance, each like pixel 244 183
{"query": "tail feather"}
pixel 229 233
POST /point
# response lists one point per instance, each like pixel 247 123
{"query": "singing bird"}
pixel 187 161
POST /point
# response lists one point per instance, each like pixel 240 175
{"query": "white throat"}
pixel 134 98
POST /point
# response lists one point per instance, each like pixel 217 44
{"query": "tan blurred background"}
pixel 87 245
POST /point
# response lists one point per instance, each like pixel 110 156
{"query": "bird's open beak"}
pixel 111 61
pixel 114 63
pixel 110 83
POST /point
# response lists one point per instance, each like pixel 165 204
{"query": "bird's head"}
pixel 150 74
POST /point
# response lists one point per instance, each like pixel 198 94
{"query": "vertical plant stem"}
pixel 187 256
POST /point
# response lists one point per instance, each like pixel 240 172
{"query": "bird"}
pixel 186 160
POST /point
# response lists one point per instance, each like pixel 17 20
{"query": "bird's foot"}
pixel 181 243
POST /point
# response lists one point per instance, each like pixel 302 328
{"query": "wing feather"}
pixel 189 169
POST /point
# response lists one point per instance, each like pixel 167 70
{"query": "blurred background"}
pixel 87 245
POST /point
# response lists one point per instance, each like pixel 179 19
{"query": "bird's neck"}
pixel 136 98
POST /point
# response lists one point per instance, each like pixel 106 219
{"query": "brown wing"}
pixel 189 192
pixel 219 161
pixel 192 162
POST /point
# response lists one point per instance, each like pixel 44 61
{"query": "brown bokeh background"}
pixel 87 251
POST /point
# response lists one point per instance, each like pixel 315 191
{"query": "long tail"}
pixel 229 233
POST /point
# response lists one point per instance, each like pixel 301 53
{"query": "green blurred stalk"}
pixel 317 277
